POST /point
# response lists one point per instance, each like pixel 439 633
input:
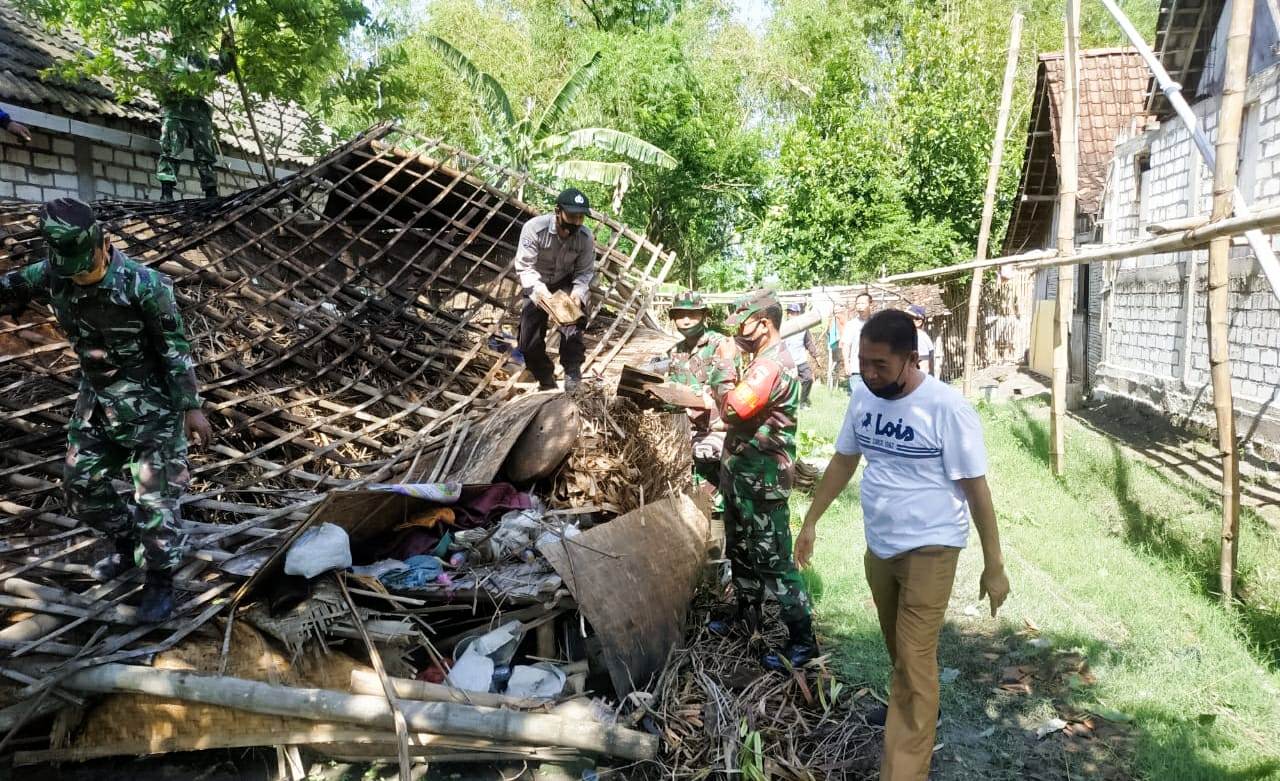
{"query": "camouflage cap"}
pixel 689 300
pixel 750 304
pixel 70 230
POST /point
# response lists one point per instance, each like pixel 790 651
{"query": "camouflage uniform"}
pixel 755 478
pixel 137 380
pixel 690 365
pixel 187 119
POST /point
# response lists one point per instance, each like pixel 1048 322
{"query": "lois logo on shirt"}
pixel 883 428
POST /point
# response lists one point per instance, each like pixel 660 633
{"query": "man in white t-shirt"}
pixel 850 338
pixel 924 344
pixel 925 478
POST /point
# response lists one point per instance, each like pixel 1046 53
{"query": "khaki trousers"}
pixel 911 591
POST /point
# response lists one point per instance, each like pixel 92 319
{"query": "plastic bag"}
pixel 319 550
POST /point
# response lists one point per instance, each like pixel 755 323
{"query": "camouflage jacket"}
pixel 126 330
pixel 187 80
pixel 690 367
pixel 759 407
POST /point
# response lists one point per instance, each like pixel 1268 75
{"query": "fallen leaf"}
pixel 1030 624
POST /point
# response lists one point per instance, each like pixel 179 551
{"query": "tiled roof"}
pixel 1113 91
pixel 27 49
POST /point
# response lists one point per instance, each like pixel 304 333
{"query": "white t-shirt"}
pixel 924 345
pixel 795 346
pixel 850 340
pixel 915 447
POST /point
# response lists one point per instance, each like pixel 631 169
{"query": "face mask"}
pixel 694 332
pixel 890 390
pixel 564 229
pixel 750 344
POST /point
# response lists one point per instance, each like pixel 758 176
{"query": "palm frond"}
pixel 607 174
pixel 607 140
pixel 565 97
pixel 491 94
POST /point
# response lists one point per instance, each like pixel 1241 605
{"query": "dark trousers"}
pixel 533 339
pixel 805 371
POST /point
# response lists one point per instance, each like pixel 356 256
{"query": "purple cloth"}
pixel 480 505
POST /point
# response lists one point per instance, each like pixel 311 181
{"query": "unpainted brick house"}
pixel 1139 326
pixel 89 143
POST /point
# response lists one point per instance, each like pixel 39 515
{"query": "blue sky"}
pixel 753 14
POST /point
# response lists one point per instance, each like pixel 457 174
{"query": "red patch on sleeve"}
pixel 750 395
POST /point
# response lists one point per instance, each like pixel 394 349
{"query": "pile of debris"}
pixel 354 329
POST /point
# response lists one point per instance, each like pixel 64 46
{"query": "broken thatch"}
pixel 350 322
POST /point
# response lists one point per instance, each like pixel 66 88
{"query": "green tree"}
pixel 532 144
pixel 285 49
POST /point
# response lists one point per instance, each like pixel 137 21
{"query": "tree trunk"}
pixel 248 106
pixel 989 202
pixel 1067 174
pixel 440 718
pixel 1224 183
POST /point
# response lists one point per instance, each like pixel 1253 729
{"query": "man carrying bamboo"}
pixel 556 253
pixel 759 407
pixel 137 403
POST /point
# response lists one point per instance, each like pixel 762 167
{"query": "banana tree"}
pixel 528 144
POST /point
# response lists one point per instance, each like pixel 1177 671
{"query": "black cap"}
pixel 572 201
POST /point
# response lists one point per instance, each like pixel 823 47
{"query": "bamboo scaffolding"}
pixel 1219 303
pixel 1068 171
pixel 989 200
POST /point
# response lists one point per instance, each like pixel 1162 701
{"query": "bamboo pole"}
pixel 989 200
pixel 1068 170
pixel 1224 183
pixel 442 718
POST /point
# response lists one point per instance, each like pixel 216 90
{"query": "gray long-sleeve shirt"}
pixel 544 257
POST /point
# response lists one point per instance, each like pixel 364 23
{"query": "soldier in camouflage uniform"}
pixel 759 410
pixel 187 118
pixel 137 403
pixel 688 363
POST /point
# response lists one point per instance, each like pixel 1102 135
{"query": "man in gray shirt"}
pixel 557 252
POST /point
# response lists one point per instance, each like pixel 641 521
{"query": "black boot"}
pixel 801 648
pixel 157 598
pixel 745 617
pixel 166 191
pixel 113 566
pixel 211 192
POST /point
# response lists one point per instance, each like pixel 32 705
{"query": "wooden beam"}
pixel 989 200
pixel 1234 83
pixel 1068 171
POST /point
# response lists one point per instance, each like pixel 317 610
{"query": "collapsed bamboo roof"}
pixel 349 323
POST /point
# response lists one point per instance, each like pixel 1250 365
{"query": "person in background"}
pixel 17 128
pixel 924 344
pixel 186 117
pixel 802 348
pixel 925 479
pixel 556 252
pixel 850 338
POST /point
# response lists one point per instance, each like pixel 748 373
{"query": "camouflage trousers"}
pixel 98 452
pixel 758 541
pixel 178 133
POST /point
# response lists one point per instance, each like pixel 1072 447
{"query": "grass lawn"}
pixel 1113 567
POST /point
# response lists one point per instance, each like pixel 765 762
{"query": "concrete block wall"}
pixel 1155 348
pixel 55 164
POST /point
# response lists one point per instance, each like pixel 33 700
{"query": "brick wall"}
pixel 56 164
pixel 1154 346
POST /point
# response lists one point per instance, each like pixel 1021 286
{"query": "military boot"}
pixel 745 617
pixel 157 598
pixel 572 379
pixel 166 191
pixel 116 564
pixel 211 192
pixel 802 647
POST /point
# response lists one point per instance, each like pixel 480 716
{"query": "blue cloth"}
pixel 421 571
pixel 4 118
